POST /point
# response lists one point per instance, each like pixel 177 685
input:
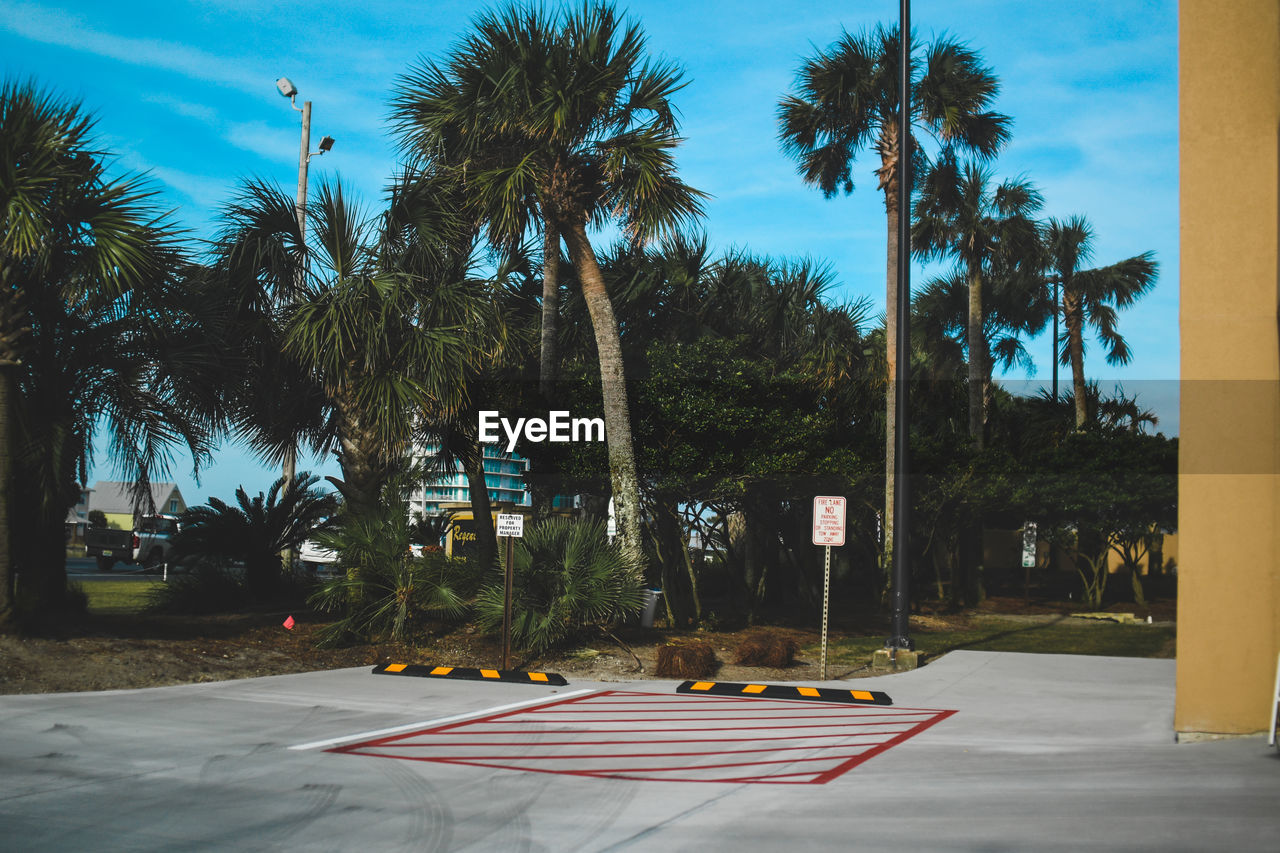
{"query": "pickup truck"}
pixel 147 545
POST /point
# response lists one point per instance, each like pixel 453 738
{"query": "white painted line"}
pixel 320 744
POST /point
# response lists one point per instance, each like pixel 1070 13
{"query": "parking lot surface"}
pixel 980 751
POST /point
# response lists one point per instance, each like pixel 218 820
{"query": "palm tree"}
pixel 561 117
pixel 259 262
pixel 847 99
pixel 1123 413
pixel 991 233
pixel 93 329
pixel 677 298
pixel 374 337
pixel 383 337
pixel 256 530
pixel 1091 296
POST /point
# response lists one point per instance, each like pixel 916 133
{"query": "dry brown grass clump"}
pixel 762 648
pixel 687 659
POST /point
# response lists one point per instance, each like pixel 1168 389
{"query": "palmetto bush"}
pixel 568 579
pixel 382 589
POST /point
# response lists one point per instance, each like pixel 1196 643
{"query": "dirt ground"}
pixel 155 651
pixel 111 652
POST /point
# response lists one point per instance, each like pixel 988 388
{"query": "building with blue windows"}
pixel 503 474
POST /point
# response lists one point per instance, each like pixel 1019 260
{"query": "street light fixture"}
pixel 290 91
pixel 286 88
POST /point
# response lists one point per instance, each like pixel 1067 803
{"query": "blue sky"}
pixel 185 91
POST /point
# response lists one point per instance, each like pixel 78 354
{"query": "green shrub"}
pixel 77 600
pixel 568 578
pixel 382 589
pixel 208 586
pixel 255 530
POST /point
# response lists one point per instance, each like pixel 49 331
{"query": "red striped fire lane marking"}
pixel 658 736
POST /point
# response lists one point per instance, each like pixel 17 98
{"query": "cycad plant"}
pixel 568 578
pixel 256 529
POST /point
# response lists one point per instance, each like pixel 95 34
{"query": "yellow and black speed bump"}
pixel 469 674
pixel 779 691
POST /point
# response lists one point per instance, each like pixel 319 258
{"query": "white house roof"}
pixel 115 497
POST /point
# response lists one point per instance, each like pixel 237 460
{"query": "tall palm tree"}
pixel 373 339
pixel 561 117
pixel 259 262
pixel 1014 307
pixel 676 297
pixel 384 336
pixel 991 233
pixel 846 99
pixel 92 330
pixel 1091 297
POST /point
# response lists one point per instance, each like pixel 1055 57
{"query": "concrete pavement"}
pixel 1045 752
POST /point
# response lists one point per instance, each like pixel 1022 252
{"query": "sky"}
pixel 185 92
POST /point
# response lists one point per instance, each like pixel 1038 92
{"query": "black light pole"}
pixel 901 593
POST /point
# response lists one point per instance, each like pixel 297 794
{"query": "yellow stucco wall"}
pixel 119 520
pixel 1229 491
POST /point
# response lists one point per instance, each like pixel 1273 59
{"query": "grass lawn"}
pixel 118 597
pixel 994 634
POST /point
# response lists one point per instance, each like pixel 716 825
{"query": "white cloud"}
pixel 56 27
pixel 268 141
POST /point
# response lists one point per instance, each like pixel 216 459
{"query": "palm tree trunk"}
pixel 542 487
pixel 977 369
pixel 891 355
pixel 550 306
pixel 363 464
pixel 1075 348
pixel 667 538
pixel 617 417
pixel 481 511
pixel 970 578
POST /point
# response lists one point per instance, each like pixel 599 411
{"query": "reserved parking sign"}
pixel 510 525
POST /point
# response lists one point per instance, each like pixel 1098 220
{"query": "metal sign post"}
pixel 511 527
pixel 826 606
pixel 1028 556
pixel 828 530
pixel 1275 707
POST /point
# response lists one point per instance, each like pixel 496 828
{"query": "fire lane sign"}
pixel 828 521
